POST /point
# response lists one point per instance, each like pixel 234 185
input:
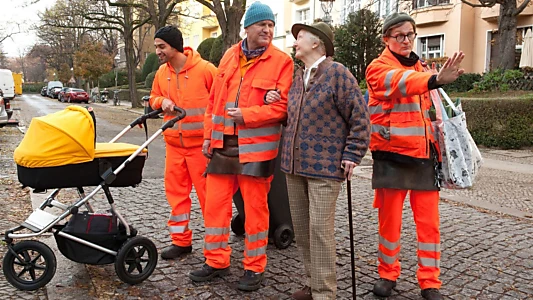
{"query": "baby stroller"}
pixel 60 151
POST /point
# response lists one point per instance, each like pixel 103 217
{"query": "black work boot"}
pixel 383 287
pixel 432 294
pixel 207 273
pixel 174 251
pixel 250 281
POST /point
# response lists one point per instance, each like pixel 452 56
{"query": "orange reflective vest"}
pixel 189 89
pixel 260 135
pixel 399 106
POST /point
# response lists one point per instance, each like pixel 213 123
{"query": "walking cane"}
pixel 352 251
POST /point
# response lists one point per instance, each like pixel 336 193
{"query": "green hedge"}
pixel 149 80
pixel 34 87
pixel 205 48
pixel 464 83
pixel 506 124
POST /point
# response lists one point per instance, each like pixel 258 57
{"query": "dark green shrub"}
pixel 151 64
pixel 497 80
pixel 216 51
pixel 108 79
pixel 34 87
pixel 506 124
pixel 205 48
pixel 149 80
pixel 464 83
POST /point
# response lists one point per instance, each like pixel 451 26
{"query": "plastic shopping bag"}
pixel 460 156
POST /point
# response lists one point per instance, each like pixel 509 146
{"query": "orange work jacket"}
pixel 260 134
pixel 189 89
pixel 399 106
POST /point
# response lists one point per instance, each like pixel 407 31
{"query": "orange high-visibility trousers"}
pixel 217 219
pixel 425 207
pixel 183 168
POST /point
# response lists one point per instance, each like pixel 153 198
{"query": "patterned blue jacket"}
pixel 327 122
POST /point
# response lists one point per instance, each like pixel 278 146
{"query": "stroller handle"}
pixel 170 123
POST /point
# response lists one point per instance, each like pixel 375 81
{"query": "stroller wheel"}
pixel 283 236
pixel 33 266
pixel 136 260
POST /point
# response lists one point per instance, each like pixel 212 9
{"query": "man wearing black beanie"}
pixel 184 79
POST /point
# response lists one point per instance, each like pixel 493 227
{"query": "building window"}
pixel 303 16
pixel 214 34
pixel 431 46
pixel 186 42
pixel 426 3
pixel 195 41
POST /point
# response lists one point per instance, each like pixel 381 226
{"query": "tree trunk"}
pixel 507 35
pixel 130 56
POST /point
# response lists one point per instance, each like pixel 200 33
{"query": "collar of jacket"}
pixel 406 61
pixel 315 73
pixel 389 58
pixel 236 49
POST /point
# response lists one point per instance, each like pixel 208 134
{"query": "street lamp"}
pixel 327 6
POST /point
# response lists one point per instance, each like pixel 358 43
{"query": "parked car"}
pixel 43 91
pixel 61 94
pixel 53 92
pixel 53 84
pixel 75 95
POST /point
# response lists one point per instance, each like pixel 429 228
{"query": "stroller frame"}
pixel 41 222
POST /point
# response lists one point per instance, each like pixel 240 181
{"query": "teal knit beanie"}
pixel 258 12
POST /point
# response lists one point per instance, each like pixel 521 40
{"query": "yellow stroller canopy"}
pixel 58 139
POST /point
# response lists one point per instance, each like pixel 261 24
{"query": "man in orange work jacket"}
pixel 184 79
pixel 242 135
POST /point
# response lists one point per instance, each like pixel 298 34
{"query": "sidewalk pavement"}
pixel 486 232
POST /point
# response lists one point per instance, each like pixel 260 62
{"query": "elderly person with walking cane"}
pixel 326 137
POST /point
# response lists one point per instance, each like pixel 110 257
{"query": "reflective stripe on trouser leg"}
pixel 178 185
pixel 390 205
pixel 254 192
pixel 425 205
pixel 217 218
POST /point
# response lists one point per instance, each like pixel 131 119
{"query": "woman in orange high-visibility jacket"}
pixel 243 134
pixel 184 79
pixel 405 153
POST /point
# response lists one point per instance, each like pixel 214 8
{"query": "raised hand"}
pixel 451 70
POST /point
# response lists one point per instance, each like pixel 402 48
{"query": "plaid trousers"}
pixel 312 202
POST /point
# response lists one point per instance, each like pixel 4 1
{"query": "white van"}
pixel 7 84
pixel 53 84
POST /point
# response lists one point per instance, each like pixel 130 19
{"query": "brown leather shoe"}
pixel 303 294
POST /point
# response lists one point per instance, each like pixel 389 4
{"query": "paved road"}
pixel 485 254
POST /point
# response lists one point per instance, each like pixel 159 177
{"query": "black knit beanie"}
pixel 172 36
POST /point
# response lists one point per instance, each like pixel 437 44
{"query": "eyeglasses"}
pixel 401 37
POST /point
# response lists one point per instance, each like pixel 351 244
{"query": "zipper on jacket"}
pixel 168 91
pixel 237 103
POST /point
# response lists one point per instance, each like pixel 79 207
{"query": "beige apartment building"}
pixel 450 26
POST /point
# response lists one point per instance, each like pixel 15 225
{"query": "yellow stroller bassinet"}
pixel 59 151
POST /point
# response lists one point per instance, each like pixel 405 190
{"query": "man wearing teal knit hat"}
pixel 242 132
